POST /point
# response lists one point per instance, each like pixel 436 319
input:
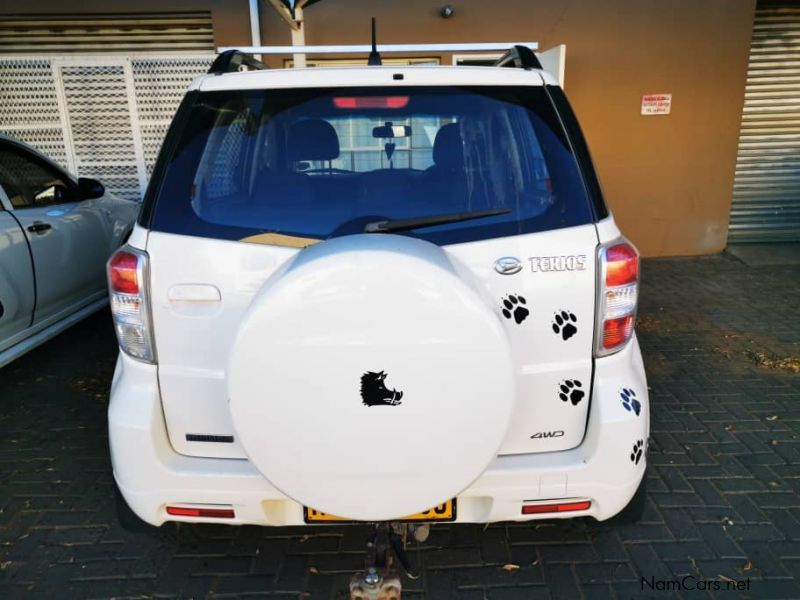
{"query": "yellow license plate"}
pixel 443 512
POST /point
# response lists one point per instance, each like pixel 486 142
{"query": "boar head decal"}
pixel 374 392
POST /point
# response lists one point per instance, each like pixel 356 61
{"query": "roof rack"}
pixel 528 47
pixel 233 61
pixel 520 57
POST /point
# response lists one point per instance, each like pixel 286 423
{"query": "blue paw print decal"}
pixel 637 452
pixel 630 402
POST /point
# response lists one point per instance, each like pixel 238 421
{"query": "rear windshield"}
pixel 315 164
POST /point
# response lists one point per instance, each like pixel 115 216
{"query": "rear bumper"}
pixel 151 475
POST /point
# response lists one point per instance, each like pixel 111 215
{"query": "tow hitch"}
pixel 380 580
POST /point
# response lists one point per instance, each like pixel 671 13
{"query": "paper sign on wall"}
pixel 656 104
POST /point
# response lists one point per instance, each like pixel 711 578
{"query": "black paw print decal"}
pixel 629 401
pixel 636 455
pixel 513 307
pixel 564 323
pixel 570 390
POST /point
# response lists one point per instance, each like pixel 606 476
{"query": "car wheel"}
pixel 633 512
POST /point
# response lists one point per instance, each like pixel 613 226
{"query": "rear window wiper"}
pixel 430 221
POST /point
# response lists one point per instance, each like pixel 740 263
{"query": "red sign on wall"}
pixel 656 104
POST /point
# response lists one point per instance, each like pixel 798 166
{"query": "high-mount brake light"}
pixel 130 307
pixel 618 295
pixel 370 101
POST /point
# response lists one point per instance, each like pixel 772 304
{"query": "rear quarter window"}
pixel 322 163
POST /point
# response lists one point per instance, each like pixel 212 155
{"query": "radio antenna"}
pixel 374 59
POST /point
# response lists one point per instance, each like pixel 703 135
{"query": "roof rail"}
pixel 233 61
pixel 520 57
pixel 383 48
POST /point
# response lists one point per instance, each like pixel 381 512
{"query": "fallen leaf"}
pixel 772 361
pixel 696 568
pixel 772 418
pixel 745 567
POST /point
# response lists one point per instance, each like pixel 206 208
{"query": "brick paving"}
pixel 723 479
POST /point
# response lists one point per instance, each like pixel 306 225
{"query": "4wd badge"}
pixel 542 435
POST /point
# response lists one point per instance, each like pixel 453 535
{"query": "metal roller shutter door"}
pixel 142 32
pixel 766 196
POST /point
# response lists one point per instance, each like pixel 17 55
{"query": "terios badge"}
pixel 569 262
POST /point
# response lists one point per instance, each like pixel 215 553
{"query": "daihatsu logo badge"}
pixel 508 265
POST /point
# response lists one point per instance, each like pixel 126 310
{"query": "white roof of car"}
pixel 372 76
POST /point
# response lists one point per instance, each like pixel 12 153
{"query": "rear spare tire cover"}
pixel 369 380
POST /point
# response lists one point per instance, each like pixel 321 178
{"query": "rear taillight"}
pixel 130 307
pixel 618 294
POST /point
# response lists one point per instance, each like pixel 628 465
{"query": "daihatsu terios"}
pixel 376 294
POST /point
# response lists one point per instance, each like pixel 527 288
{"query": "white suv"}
pixel 376 294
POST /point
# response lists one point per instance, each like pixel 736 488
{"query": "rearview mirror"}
pixel 90 188
pixel 391 131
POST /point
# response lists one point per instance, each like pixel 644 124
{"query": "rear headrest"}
pixel 313 139
pixel 448 147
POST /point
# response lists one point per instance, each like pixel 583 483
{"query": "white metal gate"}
pixel 102 117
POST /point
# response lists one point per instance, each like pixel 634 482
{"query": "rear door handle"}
pixel 39 227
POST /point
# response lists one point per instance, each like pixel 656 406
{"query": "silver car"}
pixel 56 234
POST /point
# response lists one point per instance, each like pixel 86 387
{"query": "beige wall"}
pixel 668 179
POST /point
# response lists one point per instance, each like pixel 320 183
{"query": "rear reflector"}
pixel 535 509
pixel 370 101
pixel 212 513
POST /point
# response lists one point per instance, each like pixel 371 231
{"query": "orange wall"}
pixel 668 179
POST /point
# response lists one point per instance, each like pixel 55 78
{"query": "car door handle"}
pixel 39 227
